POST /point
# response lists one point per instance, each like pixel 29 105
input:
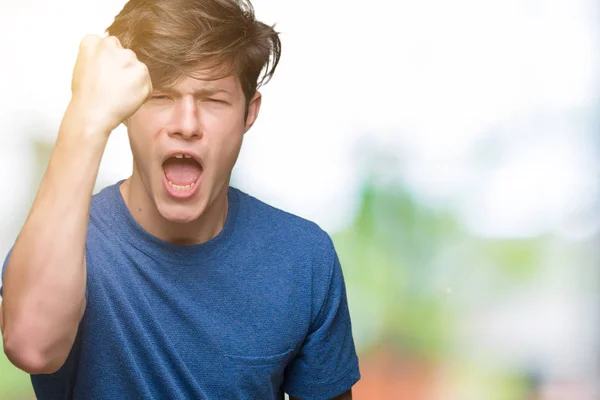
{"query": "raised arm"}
pixel 45 279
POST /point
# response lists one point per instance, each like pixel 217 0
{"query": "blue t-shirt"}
pixel 258 310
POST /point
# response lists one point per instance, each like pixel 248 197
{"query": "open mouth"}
pixel 182 174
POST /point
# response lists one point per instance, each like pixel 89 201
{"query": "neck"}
pixel 144 211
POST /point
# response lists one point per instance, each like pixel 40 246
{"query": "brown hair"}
pixel 176 37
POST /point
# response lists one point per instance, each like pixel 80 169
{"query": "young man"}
pixel 172 284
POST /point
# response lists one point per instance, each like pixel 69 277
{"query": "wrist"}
pixel 80 119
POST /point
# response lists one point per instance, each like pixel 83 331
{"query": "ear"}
pixel 253 109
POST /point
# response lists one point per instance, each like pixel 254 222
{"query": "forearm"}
pixel 44 283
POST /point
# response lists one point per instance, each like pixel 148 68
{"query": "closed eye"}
pixel 160 97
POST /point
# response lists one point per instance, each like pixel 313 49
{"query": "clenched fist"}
pixel 109 83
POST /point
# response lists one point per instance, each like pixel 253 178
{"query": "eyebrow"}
pixel 204 92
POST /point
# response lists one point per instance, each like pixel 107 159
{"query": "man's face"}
pixel 185 141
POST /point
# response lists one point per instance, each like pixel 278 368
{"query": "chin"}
pixel 180 213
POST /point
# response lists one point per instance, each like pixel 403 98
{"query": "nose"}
pixel 186 122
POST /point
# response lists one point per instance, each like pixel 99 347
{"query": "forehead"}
pixel 203 82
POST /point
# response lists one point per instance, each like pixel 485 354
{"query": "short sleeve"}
pixel 3 270
pixel 326 365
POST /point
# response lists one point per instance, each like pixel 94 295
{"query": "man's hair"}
pixel 176 37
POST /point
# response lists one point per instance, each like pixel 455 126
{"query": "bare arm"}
pixel 45 278
pixel 44 284
pixel 344 396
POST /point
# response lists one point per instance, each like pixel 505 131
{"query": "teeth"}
pixel 182 188
pixel 182 156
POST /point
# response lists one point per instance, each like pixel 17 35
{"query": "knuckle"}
pixel 129 55
pixel 112 41
pixel 88 41
pixel 143 69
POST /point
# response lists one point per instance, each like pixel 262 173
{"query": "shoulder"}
pixel 296 247
pixel 284 229
pixel 272 221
